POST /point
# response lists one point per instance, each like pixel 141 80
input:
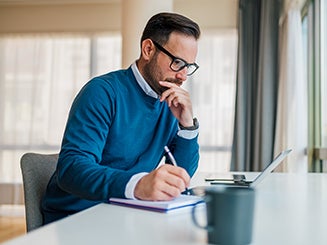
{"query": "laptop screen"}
pixel 270 167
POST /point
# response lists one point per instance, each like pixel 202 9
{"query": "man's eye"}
pixel 178 63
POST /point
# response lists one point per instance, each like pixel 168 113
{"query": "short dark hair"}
pixel 160 26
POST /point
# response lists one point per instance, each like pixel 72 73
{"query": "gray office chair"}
pixel 36 170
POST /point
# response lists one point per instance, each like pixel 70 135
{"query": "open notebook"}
pixel 159 206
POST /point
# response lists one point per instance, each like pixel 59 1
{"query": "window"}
pixel 41 74
pixel 39 77
pixel 315 26
pixel 213 89
pixel 324 83
pixel 324 72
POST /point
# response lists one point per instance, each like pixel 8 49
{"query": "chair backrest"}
pixel 37 170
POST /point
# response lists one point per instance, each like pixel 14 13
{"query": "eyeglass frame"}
pixel 174 58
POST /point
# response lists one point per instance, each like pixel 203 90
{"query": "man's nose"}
pixel 182 74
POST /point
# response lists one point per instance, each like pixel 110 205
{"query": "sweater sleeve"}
pixel 186 153
pixel 79 171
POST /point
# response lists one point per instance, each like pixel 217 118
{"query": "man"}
pixel 120 122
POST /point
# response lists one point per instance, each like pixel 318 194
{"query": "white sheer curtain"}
pixel 39 77
pixel 292 114
pixel 212 89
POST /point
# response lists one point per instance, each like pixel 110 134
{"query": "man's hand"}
pixel 179 102
pixel 164 183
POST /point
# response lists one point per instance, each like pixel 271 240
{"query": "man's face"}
pixel 153 74
pixel 158 68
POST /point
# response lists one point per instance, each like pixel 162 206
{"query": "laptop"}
pixel 241 181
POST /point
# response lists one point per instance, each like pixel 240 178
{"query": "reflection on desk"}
pixel 289 209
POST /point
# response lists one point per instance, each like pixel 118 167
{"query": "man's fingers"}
pixel 183 179
pixel 163 183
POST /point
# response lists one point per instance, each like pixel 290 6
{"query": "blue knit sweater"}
pixel 114 131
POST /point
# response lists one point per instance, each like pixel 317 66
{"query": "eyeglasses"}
pixel 178 64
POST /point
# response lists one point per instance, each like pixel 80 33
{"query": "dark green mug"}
pixel 230 214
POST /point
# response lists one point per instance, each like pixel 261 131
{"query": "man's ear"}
pixel 147 49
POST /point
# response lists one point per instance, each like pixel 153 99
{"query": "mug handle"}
pixel 195 221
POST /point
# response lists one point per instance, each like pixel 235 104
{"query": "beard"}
pixel 152 75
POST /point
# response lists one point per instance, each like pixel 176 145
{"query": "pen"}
pixel 173 161
pixel 170 155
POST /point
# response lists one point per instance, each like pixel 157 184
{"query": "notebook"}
pixel 243 182
pixel 182 201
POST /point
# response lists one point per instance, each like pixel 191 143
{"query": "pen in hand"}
pixel 173 161
pixel 170 155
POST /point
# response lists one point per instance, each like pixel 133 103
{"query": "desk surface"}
pixel 289 209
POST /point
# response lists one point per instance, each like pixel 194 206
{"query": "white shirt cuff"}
pixel 188 134
pixel 130 187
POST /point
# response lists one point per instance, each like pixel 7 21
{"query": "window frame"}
pixel 317 154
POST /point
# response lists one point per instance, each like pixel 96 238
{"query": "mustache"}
pixel 176 81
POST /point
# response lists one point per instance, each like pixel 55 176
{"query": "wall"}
pixel 60 18
pixel 102 15
pixel 210 14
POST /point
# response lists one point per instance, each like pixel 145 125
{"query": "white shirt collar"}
pixel 143 84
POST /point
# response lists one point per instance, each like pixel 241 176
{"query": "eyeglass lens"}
pixel 178 64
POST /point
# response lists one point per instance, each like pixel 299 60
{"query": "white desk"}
pixel 290 209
